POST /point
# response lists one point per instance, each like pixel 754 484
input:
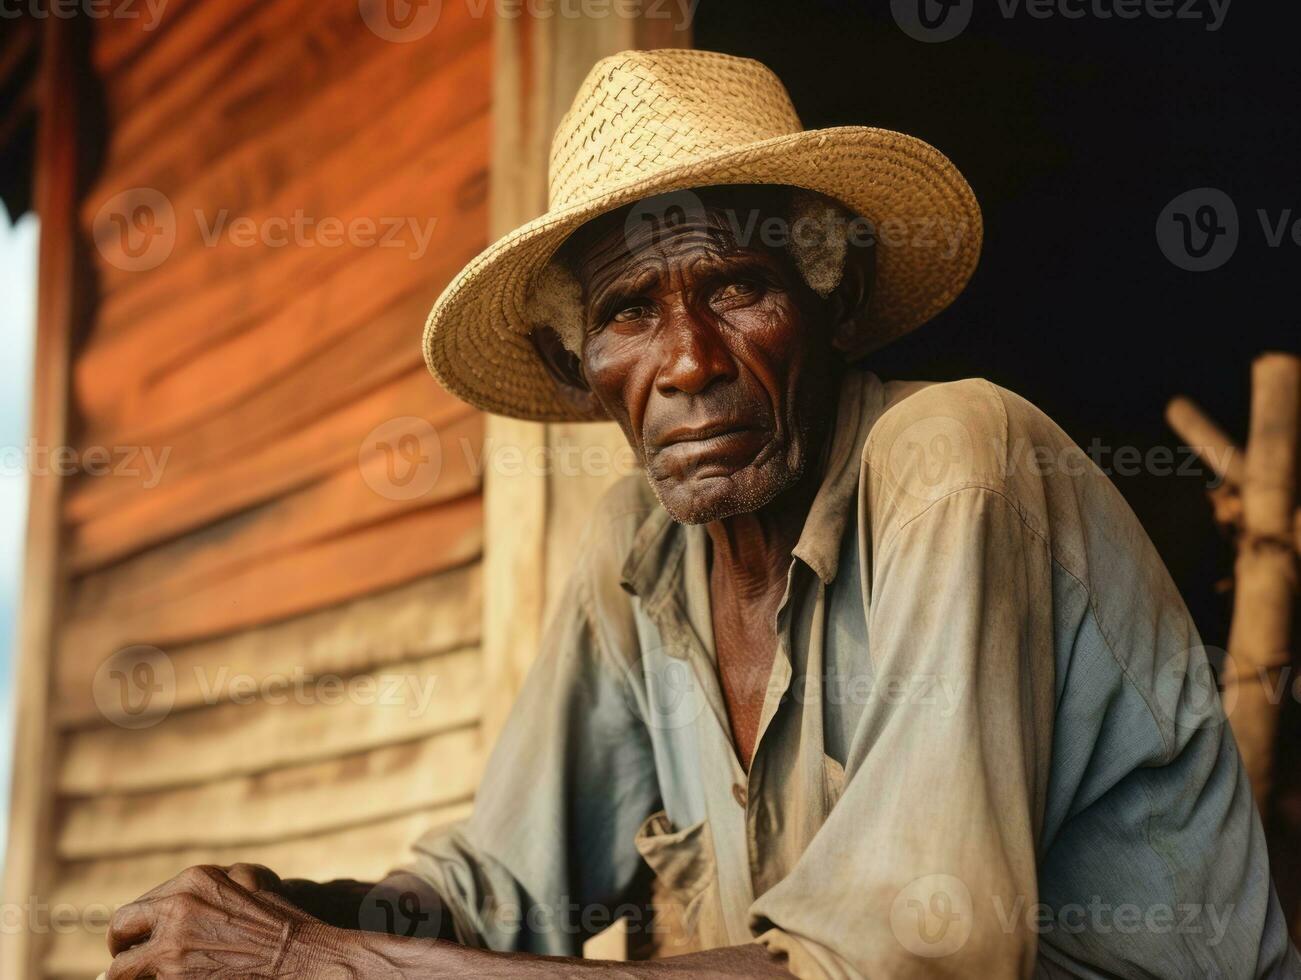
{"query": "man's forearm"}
pixel 401 905
pixel 399 958
pixel 399 928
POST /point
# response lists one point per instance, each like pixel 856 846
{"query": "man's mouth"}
pixel 713 450
pixel 704 433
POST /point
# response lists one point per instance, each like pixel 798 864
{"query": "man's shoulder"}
pixel 933 439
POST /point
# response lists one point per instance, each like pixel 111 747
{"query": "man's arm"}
pixel 205 923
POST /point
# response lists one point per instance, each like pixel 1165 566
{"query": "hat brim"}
pixel 928 236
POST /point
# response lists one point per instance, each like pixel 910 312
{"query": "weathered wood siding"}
pixel 284 538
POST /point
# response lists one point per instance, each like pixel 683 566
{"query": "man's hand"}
pixel 210 921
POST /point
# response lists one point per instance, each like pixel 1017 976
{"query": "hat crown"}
pixel 639 113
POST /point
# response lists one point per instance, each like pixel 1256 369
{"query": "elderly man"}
pixel 878 679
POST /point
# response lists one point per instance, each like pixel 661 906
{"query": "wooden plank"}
pixel 360 788
pixel 365 853
pixel 28 855
pixel 352 132
pixel 268 295
pixel 118 40
pixel 368 560
pixel 435 614
pixel 353 497
pixel 368 282
pixel 328 377
pixel 187 500
pixel 406 701
pixel 263 67
pixel 409 83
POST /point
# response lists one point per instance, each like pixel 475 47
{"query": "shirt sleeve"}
pixel 547 857
pixel 926 865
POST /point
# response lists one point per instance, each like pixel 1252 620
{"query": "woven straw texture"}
pixel 650 122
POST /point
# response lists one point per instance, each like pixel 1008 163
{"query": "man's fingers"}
pixel 134 964
pixel 253 877
pixel 279 901
pixel 131 924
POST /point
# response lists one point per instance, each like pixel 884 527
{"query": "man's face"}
pixel 712 357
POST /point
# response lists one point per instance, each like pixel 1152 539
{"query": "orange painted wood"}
pixel 351 498
pixel 367 285
pixel 347 137
pixel 327 380
pixel 193 499
pixel 334 570
pixel 259 67
pixel 308 294
pixel 431 614
pixel 118 41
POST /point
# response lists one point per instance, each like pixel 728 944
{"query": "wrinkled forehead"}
pixel 715 220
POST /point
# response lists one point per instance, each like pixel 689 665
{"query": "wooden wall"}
pixel 319 511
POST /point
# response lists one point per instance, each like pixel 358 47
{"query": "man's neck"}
pixel 751 552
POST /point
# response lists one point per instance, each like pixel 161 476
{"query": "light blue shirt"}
pixel 991 744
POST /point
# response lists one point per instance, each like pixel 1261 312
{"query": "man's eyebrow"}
pixel 641 278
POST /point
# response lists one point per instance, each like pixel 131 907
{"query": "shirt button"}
pixel 738 794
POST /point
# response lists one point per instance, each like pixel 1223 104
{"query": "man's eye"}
pixel 627 314
pixel 736 291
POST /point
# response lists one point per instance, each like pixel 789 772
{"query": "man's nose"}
pixel 694 355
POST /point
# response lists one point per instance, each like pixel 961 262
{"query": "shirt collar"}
pixel 655 558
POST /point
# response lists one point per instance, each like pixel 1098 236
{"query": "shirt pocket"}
pixel 687 875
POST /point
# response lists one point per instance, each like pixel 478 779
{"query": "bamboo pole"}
pixel 1266 568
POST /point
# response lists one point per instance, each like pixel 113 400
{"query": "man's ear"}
pixel 566 369
pixel 847 305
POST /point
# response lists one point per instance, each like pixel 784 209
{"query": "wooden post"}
pixel 1266 572
pixel 1258 499
pixel 27 858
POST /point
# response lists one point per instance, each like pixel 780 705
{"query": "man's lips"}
pixel 710 450
pixel 703 433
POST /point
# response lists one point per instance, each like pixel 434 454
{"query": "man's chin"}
pixel 702 499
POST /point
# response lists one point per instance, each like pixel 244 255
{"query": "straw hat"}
pixel 650 122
